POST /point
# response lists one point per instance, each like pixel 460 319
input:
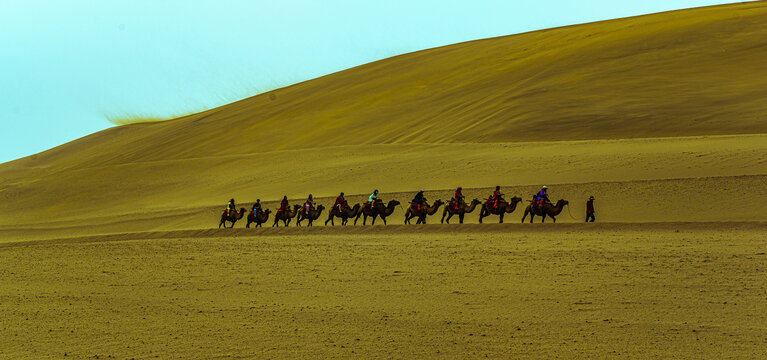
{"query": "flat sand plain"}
pixel 664 290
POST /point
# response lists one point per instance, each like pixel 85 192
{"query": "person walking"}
pixel 590 209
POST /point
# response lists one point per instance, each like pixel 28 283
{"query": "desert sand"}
pixel 682 290
pixel 109 244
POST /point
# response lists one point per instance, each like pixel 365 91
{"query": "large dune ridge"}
pixel 675 95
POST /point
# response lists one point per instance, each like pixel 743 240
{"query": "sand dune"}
pixel 669 179
pixel 444 117
pixel 682 73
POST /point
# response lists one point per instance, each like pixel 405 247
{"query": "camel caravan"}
pixel 375 208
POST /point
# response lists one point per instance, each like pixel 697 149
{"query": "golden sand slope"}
pixel 445 117
pixel 639 180
pixel 604 291
pixel 681 73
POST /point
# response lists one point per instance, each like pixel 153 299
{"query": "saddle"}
pixel 537 204
pixel 340 207
pixel 455 204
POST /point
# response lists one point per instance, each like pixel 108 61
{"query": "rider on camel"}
pixel 497 196
pixel 541 198
pixel 543 194
pixel 309 204
pixel 458 197
pixel 257 207
pixel 372 198
pixel 339 202
pixel 230 208
pixel 419 200
pixel 283 205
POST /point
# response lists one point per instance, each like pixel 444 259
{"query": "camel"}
pixel 462 210
pixel 378 209
pixel 547 209
pixel 504 207
pixel 233 218
pixel 259 218
pixel 312 215
pixel 345 214
pixel 422 213
pixel 285 216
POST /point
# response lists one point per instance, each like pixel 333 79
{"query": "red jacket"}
pixel 339 200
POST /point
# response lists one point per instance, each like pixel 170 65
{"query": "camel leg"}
pixel 442 221
pixel 501 220
pixel 482 214
pixel 384 219
pixel 460 218
pixel 543 218
pixel 372 222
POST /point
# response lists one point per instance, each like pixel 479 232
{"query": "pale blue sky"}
pixel 66 65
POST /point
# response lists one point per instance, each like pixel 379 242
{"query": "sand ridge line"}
pixel 398 229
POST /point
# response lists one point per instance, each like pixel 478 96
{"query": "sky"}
pixel 67 66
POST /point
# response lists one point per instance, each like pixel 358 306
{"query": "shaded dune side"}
pixel 681 73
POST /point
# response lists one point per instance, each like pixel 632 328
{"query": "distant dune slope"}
pixel 691 72
pixel 584 105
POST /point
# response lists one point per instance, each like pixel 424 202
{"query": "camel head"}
pixel 267 212
pixel 320 208
pixel 562 202
pixel 438 203
pixel 394 202
pixel 475 202
pixel 516 199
